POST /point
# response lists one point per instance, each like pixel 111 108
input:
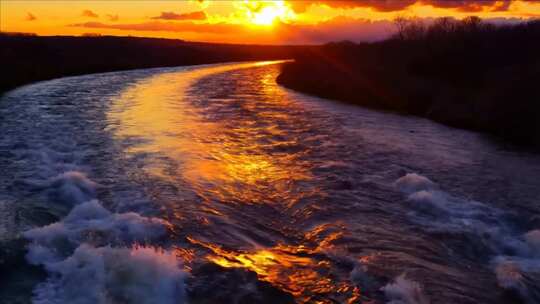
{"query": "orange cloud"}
pixel 336 29
pixel 113 17
pixel 219 28
pixel 340 28
pixel 30 17
pixel 90 14
pixel 198 15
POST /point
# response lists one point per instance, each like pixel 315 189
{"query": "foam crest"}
pixel 139 275
pixel 515 256
pixel 404 291
pixel 440 211
pixel 509 274
pixel 519 276
pixel 90 223
pixel 73 188
pixel 83 266
pixel 513 272
pixel 412 182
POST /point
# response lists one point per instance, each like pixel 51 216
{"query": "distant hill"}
pixel 26 58
pixel 467 74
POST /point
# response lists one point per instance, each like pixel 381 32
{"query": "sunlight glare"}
pixel 267 12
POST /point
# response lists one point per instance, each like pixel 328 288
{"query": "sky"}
pixel 259 22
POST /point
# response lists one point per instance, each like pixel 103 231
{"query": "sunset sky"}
pixel 264 22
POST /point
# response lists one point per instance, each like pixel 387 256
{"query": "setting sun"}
pixel 267 12
pixel 266 16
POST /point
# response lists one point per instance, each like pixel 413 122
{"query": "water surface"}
pixel 251 192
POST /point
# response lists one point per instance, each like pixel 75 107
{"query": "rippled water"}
pixel 212 184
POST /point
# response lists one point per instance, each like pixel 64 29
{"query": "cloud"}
pixel 379 5
pixel 90 14
pixel 218 28
pixel 471 6
pixel 30 17
pixel 337 29
pixel 198 15
pixel 397 5
pixel 113 17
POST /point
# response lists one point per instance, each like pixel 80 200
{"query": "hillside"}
pixel 26 58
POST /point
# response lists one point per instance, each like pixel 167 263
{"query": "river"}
pixel 213 184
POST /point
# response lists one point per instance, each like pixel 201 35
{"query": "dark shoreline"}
pixel 464 74
pixel 26 59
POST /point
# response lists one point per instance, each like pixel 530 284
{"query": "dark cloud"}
pixel 90 14
pixel 219 28
pixel 198 15
pixel 30 17
pixel 471 6
pixel 379 5
pixel 397 5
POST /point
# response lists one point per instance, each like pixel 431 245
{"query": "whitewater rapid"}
pixel 212 184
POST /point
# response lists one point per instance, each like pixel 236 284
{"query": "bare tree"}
pixel 401 23
pixel 409 28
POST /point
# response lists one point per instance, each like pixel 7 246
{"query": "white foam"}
pixel 508 273
pixel 91 210
pixel 138 275
pixel 90 223
pixel 413 182
pixel 434 201
pixel 511 270
pixel 514 255
pixel 438 210
pixel 73 187
pixel 404 291
pixel 91 254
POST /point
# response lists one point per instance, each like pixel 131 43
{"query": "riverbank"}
pixel 465 74
pixel 25 58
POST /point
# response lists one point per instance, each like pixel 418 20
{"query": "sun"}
pixel 266 13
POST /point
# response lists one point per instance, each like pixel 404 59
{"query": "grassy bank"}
pixel 26 59
pixel 467 74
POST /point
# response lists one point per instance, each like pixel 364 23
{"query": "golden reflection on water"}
pixel 158 117
pixel 288 267
pixel 228 162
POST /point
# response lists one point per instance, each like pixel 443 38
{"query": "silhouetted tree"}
pixel 466 73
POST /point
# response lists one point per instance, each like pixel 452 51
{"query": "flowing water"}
pixel 212 184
